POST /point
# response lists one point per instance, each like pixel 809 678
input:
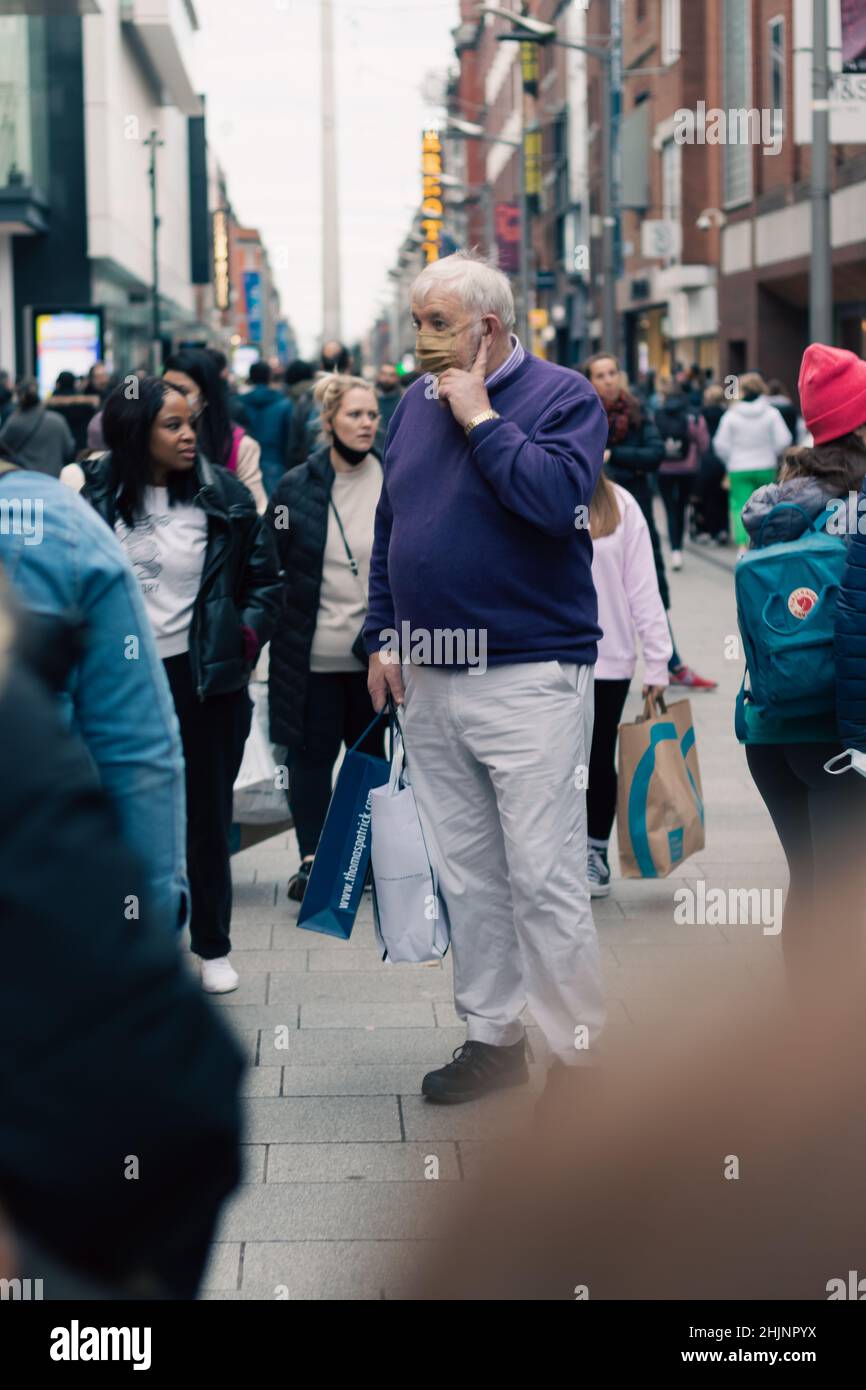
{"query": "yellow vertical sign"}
pixel 432 207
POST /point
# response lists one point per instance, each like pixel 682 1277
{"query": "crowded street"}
pixel 336 1203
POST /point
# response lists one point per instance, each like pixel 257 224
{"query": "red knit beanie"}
pixel 832 392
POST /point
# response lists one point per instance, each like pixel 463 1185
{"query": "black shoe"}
pixel 298 882
pixel 476 1069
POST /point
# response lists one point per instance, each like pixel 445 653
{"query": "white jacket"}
pixel 752 434
pixel 629 603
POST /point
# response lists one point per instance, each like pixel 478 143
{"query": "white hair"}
pixel 478 285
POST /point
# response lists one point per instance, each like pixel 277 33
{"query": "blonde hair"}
pixel 714 395
pixel 752 381
pixel 604 512
pixel 328 393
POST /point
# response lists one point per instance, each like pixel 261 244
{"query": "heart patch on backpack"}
pixel 801 602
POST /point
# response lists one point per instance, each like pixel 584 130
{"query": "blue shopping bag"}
pixel 333 893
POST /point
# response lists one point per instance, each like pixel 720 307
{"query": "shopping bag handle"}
pixel 372 724
pixel 649 708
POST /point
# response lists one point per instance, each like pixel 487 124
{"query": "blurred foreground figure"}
pixel 717 1161
pixel 118 1085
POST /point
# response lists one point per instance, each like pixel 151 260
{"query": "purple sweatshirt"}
pixel 488 533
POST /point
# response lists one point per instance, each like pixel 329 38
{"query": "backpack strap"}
pixel 740 728
pixel 821 521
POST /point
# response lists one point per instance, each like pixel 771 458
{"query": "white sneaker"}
pixel 598 873
pixel 676 560
pixel 218 976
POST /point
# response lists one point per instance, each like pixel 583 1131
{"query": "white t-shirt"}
pixel 166 548
pixel 342 601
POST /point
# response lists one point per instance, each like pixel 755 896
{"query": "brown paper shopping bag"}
pixel 660 807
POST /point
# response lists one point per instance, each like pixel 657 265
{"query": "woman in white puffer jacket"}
pixel 750 439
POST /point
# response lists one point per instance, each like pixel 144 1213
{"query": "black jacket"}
pixel 303 495
pixel 107 1047
pixel 240 581
pixel 639 454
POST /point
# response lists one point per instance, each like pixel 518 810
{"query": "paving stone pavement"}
pixel 339 1199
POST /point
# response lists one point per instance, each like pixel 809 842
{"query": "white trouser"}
pixel 492 758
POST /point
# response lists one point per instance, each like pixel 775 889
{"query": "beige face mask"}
pixel 436 352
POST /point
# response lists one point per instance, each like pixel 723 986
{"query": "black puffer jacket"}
pixel 303 495
pixel 240 581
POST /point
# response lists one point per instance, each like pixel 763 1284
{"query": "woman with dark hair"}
pixel 75 408
pixel 634 453
pixel 820 819
pixel 40 439
pixel 194 373
pixel 208 575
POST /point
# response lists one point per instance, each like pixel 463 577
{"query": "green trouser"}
pixel 742 486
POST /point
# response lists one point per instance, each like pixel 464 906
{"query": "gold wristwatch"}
pixel 479 419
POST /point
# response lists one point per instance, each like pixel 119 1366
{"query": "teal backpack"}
pixel 786 609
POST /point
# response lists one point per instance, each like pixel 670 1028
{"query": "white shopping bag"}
pixel 259 791
pixel 410 918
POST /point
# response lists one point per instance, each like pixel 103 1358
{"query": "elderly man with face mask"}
pixel 481 581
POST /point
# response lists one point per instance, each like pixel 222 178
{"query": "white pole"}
pixel 331 309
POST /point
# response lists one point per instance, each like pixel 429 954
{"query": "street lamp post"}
pixel 153 143
pixel 821 277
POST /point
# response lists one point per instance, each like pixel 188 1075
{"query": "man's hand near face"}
pixel 465 391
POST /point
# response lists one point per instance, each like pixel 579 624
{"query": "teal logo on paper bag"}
pixel 639 794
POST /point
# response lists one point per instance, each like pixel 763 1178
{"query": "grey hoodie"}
pixel 808 493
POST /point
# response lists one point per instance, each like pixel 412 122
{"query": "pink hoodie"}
pixel 629 603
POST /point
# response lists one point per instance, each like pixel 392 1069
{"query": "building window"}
pixel 776 49
pixel 671 32
pixel 672 181
pixel 641 11
pixel 737 66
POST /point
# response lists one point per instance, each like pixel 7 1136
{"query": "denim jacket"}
pixel 62 560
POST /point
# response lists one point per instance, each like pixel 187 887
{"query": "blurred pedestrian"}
pixel 234 400
pixel 634 454
pixel 820 819
pixel 749 441
pixel 99 381
pixel 629 605
pixel 685 438
pixel 194 373
pixel 781 399
pixel 270 420
pixel 108 1053
pixel 491 464
pixel 318 682
pixel 76 407
pixel 306 428
pixel 40 439
pixel 7 398
pixel 710 514
pixel 208 576
pixel 116 693
pixel 390 394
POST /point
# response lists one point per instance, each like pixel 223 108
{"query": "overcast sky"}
pixel 258 63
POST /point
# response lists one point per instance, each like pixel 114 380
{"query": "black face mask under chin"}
pixel 352 456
